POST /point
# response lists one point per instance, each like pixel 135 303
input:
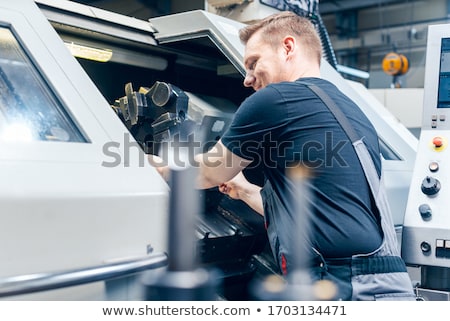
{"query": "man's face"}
pixel 263 63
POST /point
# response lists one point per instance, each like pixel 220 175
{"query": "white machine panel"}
pixel 426 232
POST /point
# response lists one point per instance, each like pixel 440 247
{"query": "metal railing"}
pixel 32 283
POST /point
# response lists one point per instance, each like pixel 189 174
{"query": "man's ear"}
pixel 289 45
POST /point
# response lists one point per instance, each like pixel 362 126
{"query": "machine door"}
pixel 75 190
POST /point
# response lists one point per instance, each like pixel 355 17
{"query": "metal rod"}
pixel 183 209
pixel 32 283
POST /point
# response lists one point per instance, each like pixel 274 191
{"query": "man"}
pixel 283 123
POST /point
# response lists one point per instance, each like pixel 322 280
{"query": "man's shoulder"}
pixel 300 83
pixel 270 93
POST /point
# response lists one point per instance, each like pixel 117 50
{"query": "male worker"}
pixel 283 123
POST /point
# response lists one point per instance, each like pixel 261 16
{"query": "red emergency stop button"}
pixel 438 142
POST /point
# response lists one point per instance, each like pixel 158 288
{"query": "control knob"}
pixel 425 212
pixel 425 247
pixel 430 186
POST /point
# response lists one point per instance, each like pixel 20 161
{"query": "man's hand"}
pixel 158 163
pixel 239 188
pixel 236 187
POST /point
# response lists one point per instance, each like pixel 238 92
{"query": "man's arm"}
pixel 218 165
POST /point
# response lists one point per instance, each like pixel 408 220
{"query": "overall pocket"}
pixel 393 286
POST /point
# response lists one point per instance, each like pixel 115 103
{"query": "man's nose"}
pixel 249 79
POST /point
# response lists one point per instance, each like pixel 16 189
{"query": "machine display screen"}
pixel 29 110
pixel 444 75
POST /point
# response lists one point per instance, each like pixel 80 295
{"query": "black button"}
pixel 425 247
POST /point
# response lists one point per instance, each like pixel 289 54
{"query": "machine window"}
pixel 444 75
pixel 387 152
pixel 29 111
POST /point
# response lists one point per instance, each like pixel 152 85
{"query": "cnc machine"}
pixel 63 211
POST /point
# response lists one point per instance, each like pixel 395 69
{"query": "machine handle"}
pixel 26 284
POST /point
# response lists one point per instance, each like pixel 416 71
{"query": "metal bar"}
pixel 183 208
pixel 26 284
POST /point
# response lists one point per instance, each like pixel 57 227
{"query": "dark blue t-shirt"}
pixel 286 123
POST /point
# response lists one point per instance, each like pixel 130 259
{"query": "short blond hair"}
pixel 278 25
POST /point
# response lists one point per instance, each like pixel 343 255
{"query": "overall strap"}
pixel 367 165
pixel 335 110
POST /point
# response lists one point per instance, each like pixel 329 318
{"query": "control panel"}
pixel 426 228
